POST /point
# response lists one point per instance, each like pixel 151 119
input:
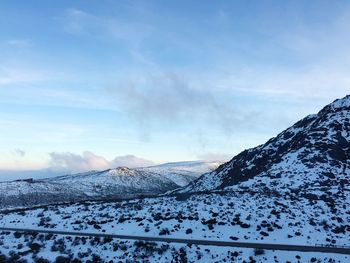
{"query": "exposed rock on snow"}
pixel 311 158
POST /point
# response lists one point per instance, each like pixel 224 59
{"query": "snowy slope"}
pixel 121 182
pixel 96 185
pixel 232 216
pixel 182 173
pixel 311 158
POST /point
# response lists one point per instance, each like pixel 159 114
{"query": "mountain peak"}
pixel 341 103
pixel 337 105
pixel 311 156
pixel 122 169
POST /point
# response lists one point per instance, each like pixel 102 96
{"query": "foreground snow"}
pixel 41 247
pixel 243 216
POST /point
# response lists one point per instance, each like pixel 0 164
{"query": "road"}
pixel 302 248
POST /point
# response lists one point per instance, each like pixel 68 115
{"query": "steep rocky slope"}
pixel 311 158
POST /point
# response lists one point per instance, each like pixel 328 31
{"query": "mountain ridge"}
pixel 318 140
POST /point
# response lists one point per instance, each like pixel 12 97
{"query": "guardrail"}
pixel 287 247
pixel 332 245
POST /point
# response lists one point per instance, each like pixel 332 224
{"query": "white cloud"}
pixel 77 21
pixel 215 157
pixel 310 84
pixel 19 43
pixel 77 163
pixel 131 33
pixel 71 162
pixel 12 74
pixel 131 161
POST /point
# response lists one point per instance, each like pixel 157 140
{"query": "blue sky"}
pixel 89 81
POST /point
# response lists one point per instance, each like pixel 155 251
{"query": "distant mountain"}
pixel 5 175
pixel 182 173
pixel 311 158
pixel 118 183
pixel 96 185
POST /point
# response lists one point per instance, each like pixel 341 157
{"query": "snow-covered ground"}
pixel 247 216
pixel 41 247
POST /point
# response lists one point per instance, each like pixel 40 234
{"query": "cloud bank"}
pixel 131 161
pixel 87 161
pixel 222 157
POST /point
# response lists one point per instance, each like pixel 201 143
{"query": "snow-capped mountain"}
pixel 115 183
pixel 182 173
pixel 121 182
pixel 311 158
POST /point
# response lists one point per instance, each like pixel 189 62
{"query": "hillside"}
pixel 182 173
pixel 96 185
pixel 118 183
pixel 310 159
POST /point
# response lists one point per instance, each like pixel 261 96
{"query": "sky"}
pixel 96 84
